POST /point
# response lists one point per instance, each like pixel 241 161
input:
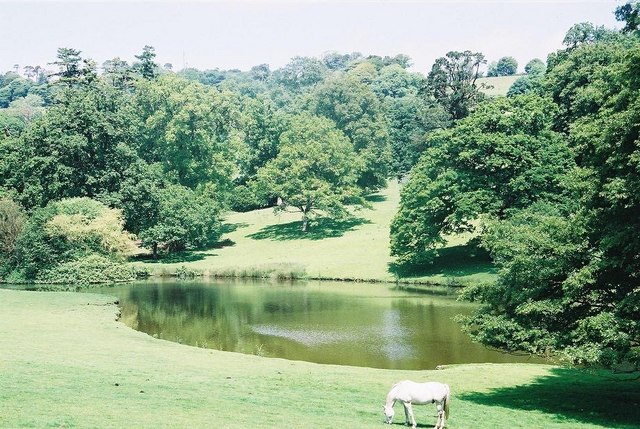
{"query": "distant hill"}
pixel 500 84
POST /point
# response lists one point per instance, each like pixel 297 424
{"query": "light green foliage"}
pixel 185 127
pixel 65 231
pixel 355 110
pixel 12 220
pixel 535 67
pixel 580 79
pixel 300 73
pixel 503 156
pixel 316 169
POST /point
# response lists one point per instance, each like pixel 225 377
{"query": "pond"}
pixel 373 325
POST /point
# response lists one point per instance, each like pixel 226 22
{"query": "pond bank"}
pixel 66 361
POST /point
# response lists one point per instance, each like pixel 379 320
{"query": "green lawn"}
pixel 500 84
pixel 354 249
pixel 66 362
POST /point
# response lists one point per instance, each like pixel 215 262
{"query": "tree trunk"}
pixel 155 250
pixel 305 222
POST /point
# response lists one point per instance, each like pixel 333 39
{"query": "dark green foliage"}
pixel 452 82
pixel 146 66
pixel 183 220
pixel 78 148
pixel 569 267
pixel 502 157
pixel 630 14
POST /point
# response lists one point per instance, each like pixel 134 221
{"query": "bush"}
pixel 244 199
pixel 92 269
pixel 65 237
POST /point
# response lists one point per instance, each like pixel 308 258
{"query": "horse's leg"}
pixel 406 414
pixel 440 422
pixel 410 410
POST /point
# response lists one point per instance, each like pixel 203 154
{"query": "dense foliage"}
pixel 549 183
pixel 547 179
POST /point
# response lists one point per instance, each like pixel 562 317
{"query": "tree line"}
pixel 547 177
pixel 167 153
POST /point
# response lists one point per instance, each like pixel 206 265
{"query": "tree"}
pixel 118 73
pixel 301 73
pixel 356 111
pixel 630 14
pixel 183 219
pixel 535 67
pixel 12 220
pixel 585 33
pixel 452 82
pixel 506 66
pixel 146 66
pixel 69 63
pixel 316 170
pixel 78 148
pixel 409 116
pixel 502 157
pixel 185 127
pixel 567 282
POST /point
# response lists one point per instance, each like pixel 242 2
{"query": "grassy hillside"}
pixel 500 84
pixel 355 249
pixel 66 362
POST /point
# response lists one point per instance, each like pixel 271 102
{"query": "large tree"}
pixel 568 279
pixel 452 82
pixel 356 111
pixel 502 157
pixel 185 127
pixel 315 172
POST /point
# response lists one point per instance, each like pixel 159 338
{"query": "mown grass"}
pixel 353 249
pixel 498 86
pixel 66 362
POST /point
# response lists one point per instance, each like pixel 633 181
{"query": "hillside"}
pixel 352 250
pixel 500 84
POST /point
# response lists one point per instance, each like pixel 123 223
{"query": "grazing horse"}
pixel 409 392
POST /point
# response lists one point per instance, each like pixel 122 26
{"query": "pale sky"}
pixel 240 34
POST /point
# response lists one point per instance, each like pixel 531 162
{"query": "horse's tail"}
pixel 447 400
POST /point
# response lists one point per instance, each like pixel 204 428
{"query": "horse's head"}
pixel 388 413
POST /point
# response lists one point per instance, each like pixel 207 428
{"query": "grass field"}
pixel 66 362
pixel 351 250
pixel 500 84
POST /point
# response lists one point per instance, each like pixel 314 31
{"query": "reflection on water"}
pixel 339 323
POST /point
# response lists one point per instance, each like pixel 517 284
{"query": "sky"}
pixel 209 34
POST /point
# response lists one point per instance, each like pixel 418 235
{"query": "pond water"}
pixel 371 325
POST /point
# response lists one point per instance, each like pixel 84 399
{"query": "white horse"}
pixel 409 392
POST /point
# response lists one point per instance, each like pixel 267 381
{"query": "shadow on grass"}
pixel 230 227
pixel 375 198
pixel 318 230
pixel 455 261
pixel 600 399
pixel 174 258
